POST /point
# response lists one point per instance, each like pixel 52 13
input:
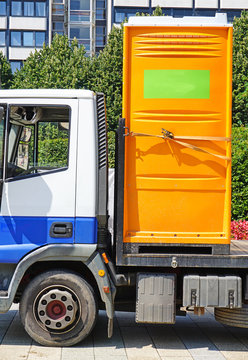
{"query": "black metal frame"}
pixel 119 192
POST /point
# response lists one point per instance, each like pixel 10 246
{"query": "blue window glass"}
pixel 15 65
pixel 100 14
pixel 100 30
pixel 39 38
pixel 28 8
pixel 119 17
pixel 40 9
pixel 2 38
pixel 28 38
pixel 16 38
pixel 82 32
pixel 16 8
pixel 59 26
pixel 74 32
pixel 182 12
pixel 80 4
pixel 75 5
pixel 3 8
pixel 100 4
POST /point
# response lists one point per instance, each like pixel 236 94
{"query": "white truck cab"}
pixel 53 199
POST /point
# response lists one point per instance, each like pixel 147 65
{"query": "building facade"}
pixel 122 9
pixel 85 20
pixel 27 24
pixel 23 27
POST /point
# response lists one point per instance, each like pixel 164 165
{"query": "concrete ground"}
pixel 192 337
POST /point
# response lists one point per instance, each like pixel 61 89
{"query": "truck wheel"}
pixel 58 308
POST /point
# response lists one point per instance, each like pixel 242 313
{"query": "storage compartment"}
pixel 213 291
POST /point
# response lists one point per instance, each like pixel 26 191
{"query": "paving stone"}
pixel 127 319
pixel 84 350
pixel 38 352
pixel 138 343
pixel 176 358
pixel 167 342
pixel 104 345
pixel 16 343
pixel 191 338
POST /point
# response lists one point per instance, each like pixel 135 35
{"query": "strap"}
pixel 167 135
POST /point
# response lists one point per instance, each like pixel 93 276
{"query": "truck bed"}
pixel 238 258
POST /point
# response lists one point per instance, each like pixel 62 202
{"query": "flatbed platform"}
pixel 238 258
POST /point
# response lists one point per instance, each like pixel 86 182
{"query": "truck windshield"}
pixel 2 127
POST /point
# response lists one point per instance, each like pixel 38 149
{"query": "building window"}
pixel 82 32
pixel 182 12
pixel 80 4
pixel 39 38
pixel 27 38
pixel 58 9
pixel 231 14
pixel 2 38
pixel 15 65
pixel 16 8
pixel 100 36
pixel 28 8
pixel 3 8
pixel 100 14
pixel 40 8
pixel 78 16
pixel 16 38
pixel 119 17
pixel 58 28
pixel 100 4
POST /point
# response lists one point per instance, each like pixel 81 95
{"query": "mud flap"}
pixel 106 287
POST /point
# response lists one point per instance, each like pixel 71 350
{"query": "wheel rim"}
pixel 57 309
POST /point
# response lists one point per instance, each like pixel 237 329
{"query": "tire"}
pixel 58 308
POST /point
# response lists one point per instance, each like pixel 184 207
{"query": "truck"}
pixel 170 248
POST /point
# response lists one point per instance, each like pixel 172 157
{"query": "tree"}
pixel 5 72
pixel 240 69
pixel 240 173
pixel 105 75
pixel 158 11
pixel 63 65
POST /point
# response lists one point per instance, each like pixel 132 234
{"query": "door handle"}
pixel 61 230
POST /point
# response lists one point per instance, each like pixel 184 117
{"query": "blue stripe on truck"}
pixel 21 234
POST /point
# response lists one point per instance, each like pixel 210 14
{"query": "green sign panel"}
pixel 176 84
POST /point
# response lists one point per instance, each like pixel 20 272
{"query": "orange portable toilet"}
pixel 177 105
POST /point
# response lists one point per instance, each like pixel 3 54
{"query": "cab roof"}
pixel 46 93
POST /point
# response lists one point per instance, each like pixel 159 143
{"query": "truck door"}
pixel 38 192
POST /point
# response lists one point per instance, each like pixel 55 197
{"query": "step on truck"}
pixel 170 248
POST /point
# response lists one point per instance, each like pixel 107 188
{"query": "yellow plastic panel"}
pixel 178 79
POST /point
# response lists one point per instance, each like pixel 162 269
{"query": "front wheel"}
pixel 58 308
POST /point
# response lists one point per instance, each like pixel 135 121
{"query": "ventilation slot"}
pixel 102 131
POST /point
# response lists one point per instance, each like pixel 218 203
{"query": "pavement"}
pixel 191 338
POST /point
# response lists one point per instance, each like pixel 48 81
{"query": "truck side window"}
pixel 38 140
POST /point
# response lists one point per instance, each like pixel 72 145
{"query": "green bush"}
pixel 240 70
pixel 240 173
pixel 53 152
pixel 111 149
